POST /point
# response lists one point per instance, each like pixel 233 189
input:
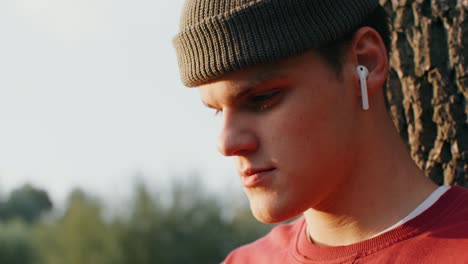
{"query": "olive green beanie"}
pixel 221 36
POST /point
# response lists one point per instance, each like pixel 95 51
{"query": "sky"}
pixel 90 97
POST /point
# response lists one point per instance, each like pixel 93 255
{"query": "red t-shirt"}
pixel 438 235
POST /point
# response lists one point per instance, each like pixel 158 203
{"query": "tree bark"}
pixel 427 89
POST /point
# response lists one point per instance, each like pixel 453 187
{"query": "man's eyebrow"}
pixel 253 83
pixel 257 81
pixel 234 97
pixel 244 91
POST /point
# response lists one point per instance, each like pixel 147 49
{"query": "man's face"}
pixel 290 129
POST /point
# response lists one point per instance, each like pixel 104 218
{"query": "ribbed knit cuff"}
pixel 260 32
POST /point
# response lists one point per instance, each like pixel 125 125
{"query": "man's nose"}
pixel 237 136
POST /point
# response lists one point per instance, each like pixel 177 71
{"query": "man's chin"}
pixel 271 214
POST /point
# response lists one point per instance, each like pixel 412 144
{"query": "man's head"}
pixel 293 125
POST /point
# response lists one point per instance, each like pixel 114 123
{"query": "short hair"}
pixel 334 53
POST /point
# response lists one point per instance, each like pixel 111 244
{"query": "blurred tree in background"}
pixel 16 245
pixel 80 236
pixel 191 229
pixel 192 226
pixel 27 203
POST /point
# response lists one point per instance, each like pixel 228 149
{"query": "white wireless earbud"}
pixel 363 72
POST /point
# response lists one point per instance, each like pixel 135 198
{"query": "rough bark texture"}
pixel 428 84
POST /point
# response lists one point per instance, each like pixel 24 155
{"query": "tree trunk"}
pixel 428 86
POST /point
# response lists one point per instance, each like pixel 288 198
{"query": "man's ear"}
pixel 368 49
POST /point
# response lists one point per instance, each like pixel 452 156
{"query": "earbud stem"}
pixel 365 97
pixel 363 73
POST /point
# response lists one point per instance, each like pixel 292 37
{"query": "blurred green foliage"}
pixel 192 227
pixel 16 246
pixel 27 203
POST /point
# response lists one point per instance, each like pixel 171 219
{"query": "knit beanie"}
pixel 221 36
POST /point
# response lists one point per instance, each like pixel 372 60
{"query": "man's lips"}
pixel 252 171
pixel 256 177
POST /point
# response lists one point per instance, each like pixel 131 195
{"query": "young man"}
pixel 290 79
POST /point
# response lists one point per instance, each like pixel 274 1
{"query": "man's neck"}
pixel 379 192
pixel 366 217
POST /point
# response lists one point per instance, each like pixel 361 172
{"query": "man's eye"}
pixel 263 97
pixel 263 101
